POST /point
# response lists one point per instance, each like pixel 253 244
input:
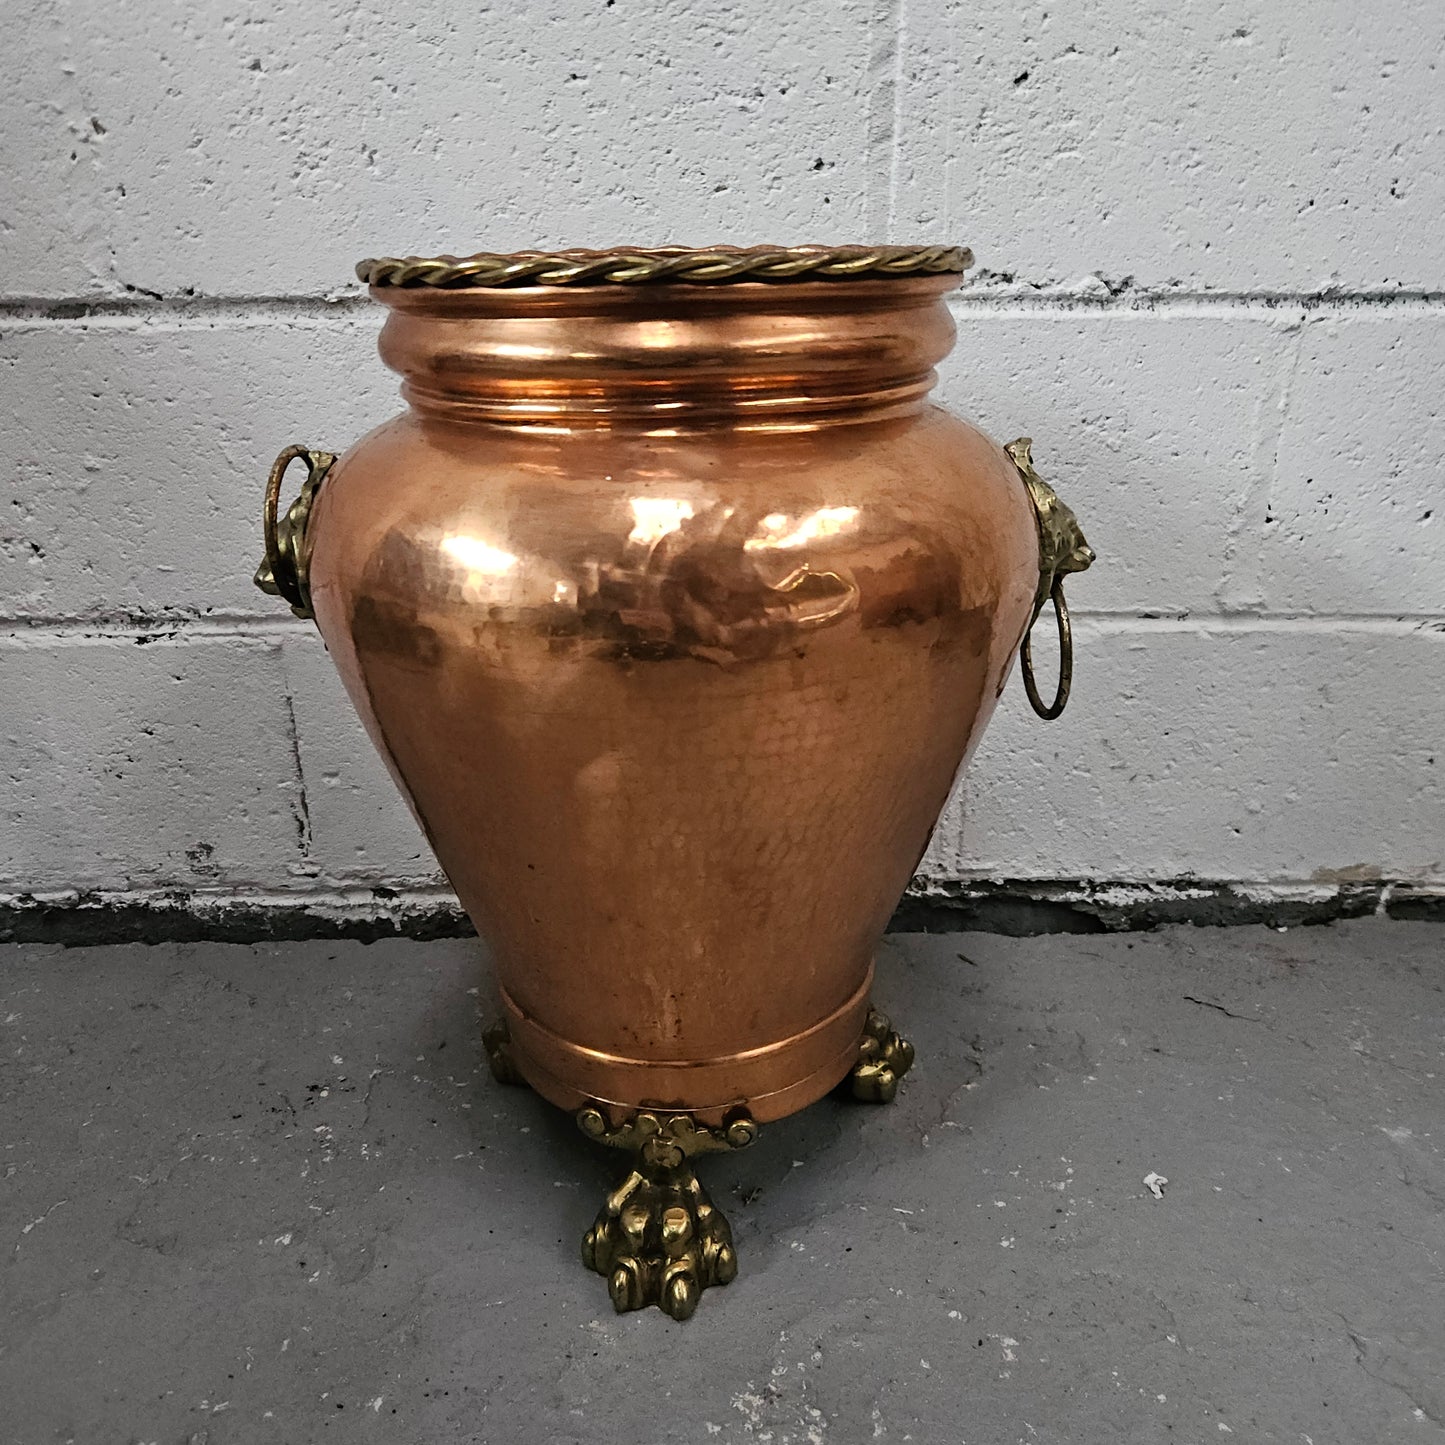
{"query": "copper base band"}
pixel 773 1082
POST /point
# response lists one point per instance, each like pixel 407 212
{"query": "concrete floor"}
pixel 267 1194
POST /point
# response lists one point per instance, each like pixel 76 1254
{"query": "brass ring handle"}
pixel 286 567
pixel 1062 549
pixel 1066 658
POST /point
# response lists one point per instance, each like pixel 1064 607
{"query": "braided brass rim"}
pixel 629 267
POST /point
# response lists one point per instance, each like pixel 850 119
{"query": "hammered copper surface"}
pixel 675 612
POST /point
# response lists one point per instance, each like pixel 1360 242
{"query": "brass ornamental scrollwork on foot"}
pixel 659 1240
pixel 285 571
pixel 1062 549
pixel 884 1056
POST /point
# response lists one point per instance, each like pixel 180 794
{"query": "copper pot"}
pixel 674 608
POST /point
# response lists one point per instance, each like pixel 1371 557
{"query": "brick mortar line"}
pixel 22 313
pixel 1027 300
pixel 885 56
pixel 27 632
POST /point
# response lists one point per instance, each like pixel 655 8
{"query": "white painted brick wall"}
pixel 1213 290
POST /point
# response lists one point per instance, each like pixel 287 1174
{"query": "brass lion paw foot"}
pixel 883 1058
pixel 659 1239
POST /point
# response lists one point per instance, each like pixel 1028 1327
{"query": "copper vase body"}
pixel 675 607
pixel 675 611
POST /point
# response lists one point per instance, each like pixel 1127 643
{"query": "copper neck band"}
pixel 663 357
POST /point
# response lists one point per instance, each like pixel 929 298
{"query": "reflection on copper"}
pixel 479 557
pixel 780 531
pixel 656 517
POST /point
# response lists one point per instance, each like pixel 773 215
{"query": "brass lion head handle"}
pixel 1062 549
pixel 286 568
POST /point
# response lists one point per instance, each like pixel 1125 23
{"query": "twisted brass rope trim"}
pixel 668 263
